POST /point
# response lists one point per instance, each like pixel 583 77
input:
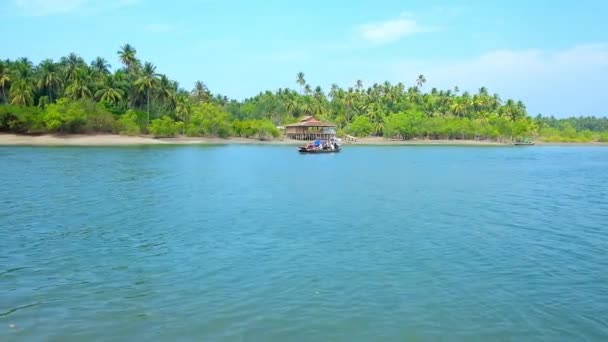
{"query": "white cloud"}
pixel 391 30
pixel 58 7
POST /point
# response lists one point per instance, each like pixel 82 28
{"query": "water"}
pixel 255 243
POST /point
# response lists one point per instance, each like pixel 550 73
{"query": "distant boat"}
pixel 525 142
pixel 303 149
pixel 321 146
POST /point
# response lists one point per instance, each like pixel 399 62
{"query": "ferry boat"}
pixel 321 146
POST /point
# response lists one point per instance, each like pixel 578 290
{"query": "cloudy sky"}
pixel 553 55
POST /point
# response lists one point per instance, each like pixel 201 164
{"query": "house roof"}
pixel 309 121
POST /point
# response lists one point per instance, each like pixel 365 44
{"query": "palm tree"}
pixel 333 92
pixel 420 81
pixel 307 89
pixel 300 79
pixel 183 107
pixel 78 89
pixel 291 105
pixel 200 92
pixel 49 77
pixel 73 65
pixel 110 92
pixel 147 82
pixel 23 68
pixel 166 91
pixel 359 85
pixel 100 66
pixel 21 93
pixel 127 57
pixel 5 78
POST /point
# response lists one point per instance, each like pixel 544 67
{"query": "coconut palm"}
pixel 72 66
pixel 307 89
pixel 100 66
pixel 5 78
pixel 110 92
pixel 22 93
pixel 127 56
pixel 200 92
pixel 49 78
pixel 146 83
pixel 300 79
pixel 78 89
pixel 420 81
pixel 359 85
pixel 183 108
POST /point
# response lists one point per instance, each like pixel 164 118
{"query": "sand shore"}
pixel 120 140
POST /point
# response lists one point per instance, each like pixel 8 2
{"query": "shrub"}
pixel 64 116
pixel 209 119
pixel 128 124
pixel 261 129
pixel 17 119
pixel 360 127
pixel 165 127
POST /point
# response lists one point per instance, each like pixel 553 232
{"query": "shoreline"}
pixel 84 140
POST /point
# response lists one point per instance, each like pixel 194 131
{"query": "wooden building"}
pixel 310 128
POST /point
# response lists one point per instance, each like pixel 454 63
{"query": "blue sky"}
pixel 553 55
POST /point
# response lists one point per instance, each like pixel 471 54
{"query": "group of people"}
pixel 330 144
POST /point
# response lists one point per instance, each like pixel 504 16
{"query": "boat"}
pixel 304 149
pixel 525 142
pixel 321 146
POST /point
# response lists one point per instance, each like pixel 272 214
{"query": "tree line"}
pixel 73 96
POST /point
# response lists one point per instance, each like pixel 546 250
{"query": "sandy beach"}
pixel 120 140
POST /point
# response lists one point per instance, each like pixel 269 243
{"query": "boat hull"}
pixel 305 150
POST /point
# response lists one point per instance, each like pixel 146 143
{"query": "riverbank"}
pixel 121 140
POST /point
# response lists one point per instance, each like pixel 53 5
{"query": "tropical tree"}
pixel 110 92
pixel 420 81
pixel 127 56
pixel 200 92
pixel 5 78
pixel 22 93
pixel 146 83
pixel 49 80
pixel 300 80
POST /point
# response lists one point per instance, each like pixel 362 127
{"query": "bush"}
pixel 64 117
pixel 403 125
pixel 208 119
pixel 17 119
pixel 261 129
pixel 165 127
pixel 360 127
pixel 128 124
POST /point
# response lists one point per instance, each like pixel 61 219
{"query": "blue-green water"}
pixel 254 243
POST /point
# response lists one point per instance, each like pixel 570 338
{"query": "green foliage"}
pixel 208 120
pixel 404 125
pixel 261 129
pixel 18 119
pixel 65 116
pixel 128 124
pixel 165 127
pixel 360 127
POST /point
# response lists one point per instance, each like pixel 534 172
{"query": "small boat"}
pixel 304 149
pixel 321 146
pixel 525 142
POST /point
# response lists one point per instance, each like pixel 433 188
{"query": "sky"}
pixel 553 55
